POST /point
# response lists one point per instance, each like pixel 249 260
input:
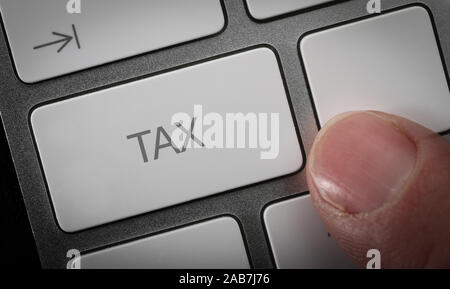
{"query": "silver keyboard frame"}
pixel 245 204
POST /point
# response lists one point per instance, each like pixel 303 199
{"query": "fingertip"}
pixel 377 181
pixel 359 162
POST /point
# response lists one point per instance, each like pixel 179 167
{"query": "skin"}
pixel 353 159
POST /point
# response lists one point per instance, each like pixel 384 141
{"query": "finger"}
pixel 383 182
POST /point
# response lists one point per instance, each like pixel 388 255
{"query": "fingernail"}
pixel 361 162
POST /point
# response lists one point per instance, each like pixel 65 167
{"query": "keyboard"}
pixel 174 134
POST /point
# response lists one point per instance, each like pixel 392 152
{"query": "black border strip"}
pixel 416 4
pixel 3 26
pixel 20 214
pixel 294 120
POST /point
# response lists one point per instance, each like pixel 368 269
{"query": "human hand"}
pixel 383 182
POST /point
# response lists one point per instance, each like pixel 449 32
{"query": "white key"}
pixel 96 170
pixel 389 62
pixel 214 244
pixel 103 31
pixel 264 9
pixel 298 237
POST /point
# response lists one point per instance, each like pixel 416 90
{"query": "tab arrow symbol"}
pixel 65 39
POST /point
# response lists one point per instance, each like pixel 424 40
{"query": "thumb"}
pixel 382 182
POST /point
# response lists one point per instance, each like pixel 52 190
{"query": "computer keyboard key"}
pixel 56 40
pixel 106 155
pixel 298 237
pixel 389 62
pixel 265 9
pixel 213 244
